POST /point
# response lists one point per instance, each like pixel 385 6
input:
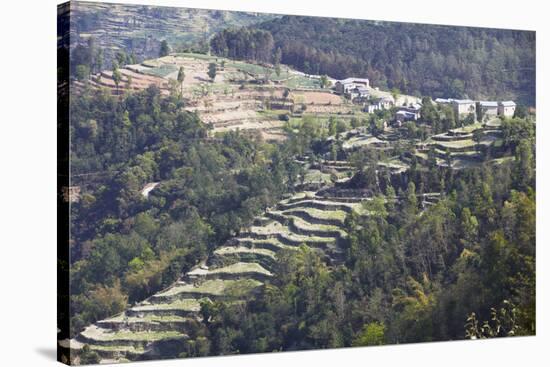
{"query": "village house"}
pixel 386 102
pixel 506 108
pixel 345 86
pixel 358 94
pixel 383 103
pixel 410 113
pixel 464 107
pixel 371 107
pixel 402 116
pixel 488 108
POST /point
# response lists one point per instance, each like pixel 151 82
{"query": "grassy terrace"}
pixel 319 204
pixel 456 144
pixel 298 81
pixel 259 71
pixel 149 317
pixel 117 348
pixel 200 56
pixel 232 250
pixel 338 215
pixel 239 268
pixel 161 71
pixel 190 305
pixel 503 160
pixel 394 163
pixel 216 287
pixel 468 128
pixel 300 196
pixel 316 176
pixel 306 226
pixel 278 228
pixel 142 335
pixel 471 153
pixel 269 244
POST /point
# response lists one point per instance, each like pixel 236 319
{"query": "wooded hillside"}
pixel 439 61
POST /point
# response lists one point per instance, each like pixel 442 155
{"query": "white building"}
pixel 464 107
pixel 344 86
pixel 488 108
pixel 506 108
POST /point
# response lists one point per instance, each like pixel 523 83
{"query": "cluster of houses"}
pixel 408 113
pixel 357 90
pixel 488 109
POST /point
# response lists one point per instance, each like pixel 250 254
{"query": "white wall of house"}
pixel 506 110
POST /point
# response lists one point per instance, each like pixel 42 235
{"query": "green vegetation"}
pixel 142 336
pixel 240 267
pixel 182 304
pixel 321 214
pixel 419 276
pixel 116 348
pixel 162 71
pixel 212 70
pixel 217 287
pixel 128 247
pixel 411 233
pixel 440 60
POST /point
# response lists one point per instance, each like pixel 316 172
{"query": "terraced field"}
pixel 117 26
pixel 243 96
pixel 232 274
pixel 460 146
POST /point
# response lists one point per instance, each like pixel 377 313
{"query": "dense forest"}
pixel 125 247
pixel 433 60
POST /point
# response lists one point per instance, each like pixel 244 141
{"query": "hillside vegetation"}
pixel 228 203
pixel 417 59
pixel 140 30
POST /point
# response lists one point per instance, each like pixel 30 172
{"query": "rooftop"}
pixel 461 101
pixel 353 80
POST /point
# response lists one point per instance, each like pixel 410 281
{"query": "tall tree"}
pixel 181 78
pixel 117 77
pixel 164 49
pixel 212 70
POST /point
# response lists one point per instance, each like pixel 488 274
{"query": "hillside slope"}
pixel 140 29
pixel 418 59
pixel 160 326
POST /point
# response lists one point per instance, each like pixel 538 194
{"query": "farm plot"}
pixel 216 287
pixel 317 98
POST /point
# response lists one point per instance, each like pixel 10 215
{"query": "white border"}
pixel 28 175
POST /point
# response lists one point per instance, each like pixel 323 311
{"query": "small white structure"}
pixel 402 115
pixel 464 107
pixel 344 86
pixel 488 108
pixel 410 113
pixel 383 103
pixel 506 108
pixel 370 108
